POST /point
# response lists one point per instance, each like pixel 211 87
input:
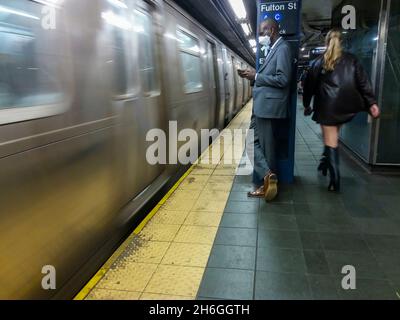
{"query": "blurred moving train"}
pixel 76 103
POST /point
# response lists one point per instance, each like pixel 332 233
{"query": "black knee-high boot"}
pixel 323 164
pixel 333 167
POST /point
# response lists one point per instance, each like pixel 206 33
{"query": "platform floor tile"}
pixel 175 280
pixel 156 296
pixel 103 294
pixel 187 254
pixel 196 234
pixel 202 171
pixel 159 232
pixel 296 247
pixel 146 252
pixel 203 219
pixel 171 217
pixel 128 277
pixel 166 259
pixel 207 205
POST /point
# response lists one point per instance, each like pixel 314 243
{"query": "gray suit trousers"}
pixel 264 147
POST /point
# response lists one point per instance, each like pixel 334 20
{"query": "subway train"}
pixel 81 85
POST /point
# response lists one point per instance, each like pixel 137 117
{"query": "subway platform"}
pixel 206 240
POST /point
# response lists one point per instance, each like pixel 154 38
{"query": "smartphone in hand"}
pixel 240 72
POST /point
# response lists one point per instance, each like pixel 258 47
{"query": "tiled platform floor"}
pixel 166 260
pixel 209 241
pixel 296 247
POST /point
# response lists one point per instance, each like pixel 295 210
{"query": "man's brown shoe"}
pixel 271 187
pixel 259 193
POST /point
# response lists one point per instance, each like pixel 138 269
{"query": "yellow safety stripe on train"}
pixel 103 270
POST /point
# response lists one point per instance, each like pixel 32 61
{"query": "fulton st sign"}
pixel 286 13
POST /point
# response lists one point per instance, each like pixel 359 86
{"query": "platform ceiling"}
pixel 218 17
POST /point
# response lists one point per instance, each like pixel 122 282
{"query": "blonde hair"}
pixel 334 49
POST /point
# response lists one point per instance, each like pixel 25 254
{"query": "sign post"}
pixel 288 15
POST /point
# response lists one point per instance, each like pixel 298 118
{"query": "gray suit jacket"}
pixel 271 90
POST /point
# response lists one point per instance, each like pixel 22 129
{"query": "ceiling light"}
pixel 118 3
pixel 253 43
pixel 246 29
pixel 238 8
pixel 52 3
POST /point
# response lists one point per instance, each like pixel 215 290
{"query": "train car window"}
pixel 145 30
pixel 31 61
pixel 119 20
pixel 191 62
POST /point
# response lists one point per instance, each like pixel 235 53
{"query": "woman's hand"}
pixel 308 111
pixel 374 111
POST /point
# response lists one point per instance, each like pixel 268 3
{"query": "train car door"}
pixel 229 87
pixel 212 84
pixel 136 46
pixel 244 98
pixel 221 89
pixel 245 87
pixel 236 86
pixel 240 88
pixel 148 28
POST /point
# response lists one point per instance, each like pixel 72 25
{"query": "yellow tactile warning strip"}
pixel 165 257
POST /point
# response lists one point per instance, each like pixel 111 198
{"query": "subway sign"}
pixel 286 13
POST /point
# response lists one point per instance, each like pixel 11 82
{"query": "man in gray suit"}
pixel 271 94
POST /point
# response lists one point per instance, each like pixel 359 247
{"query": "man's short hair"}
pixel 272 22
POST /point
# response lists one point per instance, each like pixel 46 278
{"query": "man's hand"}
pixel 248 74
pixel 374 111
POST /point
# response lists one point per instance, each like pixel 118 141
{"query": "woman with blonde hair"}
pixel 341 89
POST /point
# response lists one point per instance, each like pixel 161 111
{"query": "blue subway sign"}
pixel 285 12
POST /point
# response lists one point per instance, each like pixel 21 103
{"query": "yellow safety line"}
pixel 104 269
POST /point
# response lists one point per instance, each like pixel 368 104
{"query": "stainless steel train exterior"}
pixel 81 84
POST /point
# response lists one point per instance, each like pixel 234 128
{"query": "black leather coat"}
pixel 338 95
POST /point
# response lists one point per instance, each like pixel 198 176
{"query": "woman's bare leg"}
pixel 331 136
